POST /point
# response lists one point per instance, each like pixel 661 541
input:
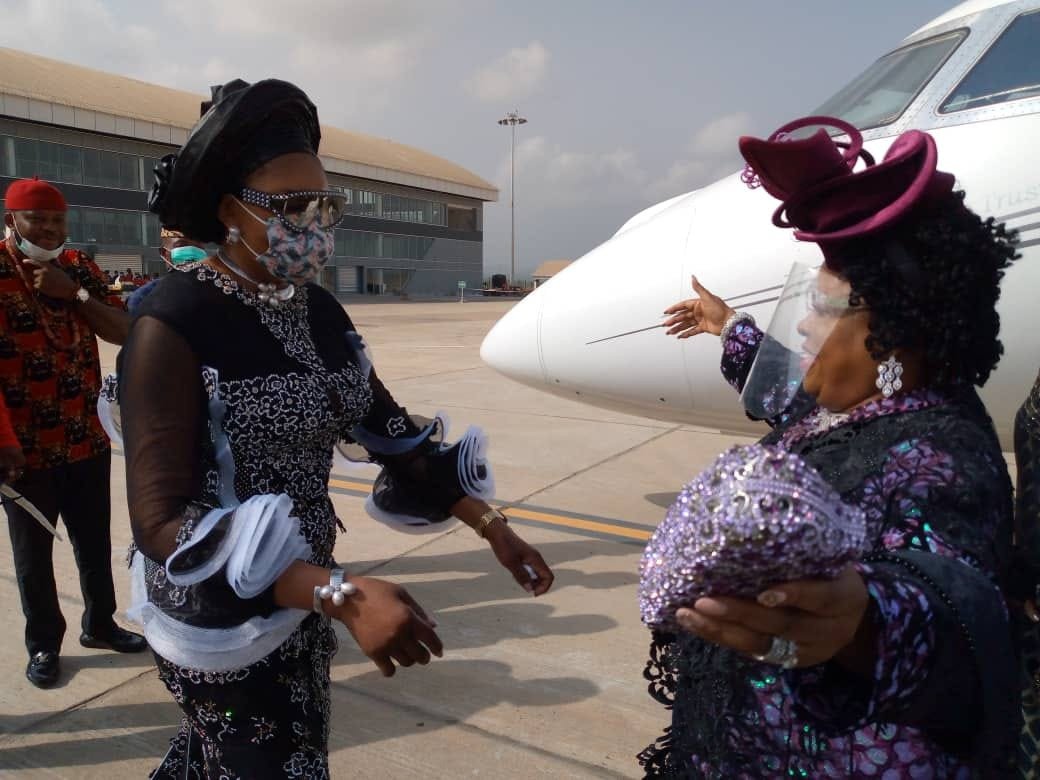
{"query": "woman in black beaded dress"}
pixel 237 380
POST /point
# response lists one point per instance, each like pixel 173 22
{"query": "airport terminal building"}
pixel 414 221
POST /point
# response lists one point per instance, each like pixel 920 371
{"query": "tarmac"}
pixel 547 687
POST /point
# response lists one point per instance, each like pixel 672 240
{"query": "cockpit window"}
pixel 1010 70
pixel 882 93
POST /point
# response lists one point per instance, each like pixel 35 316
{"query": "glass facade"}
pixel 112 226
pixel 123 229
pixel 64 164
pixel 111 220
pixel 23 158
pixel 382 205
pixel 363 243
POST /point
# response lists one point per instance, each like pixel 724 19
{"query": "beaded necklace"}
pixel 67 320
pixel 63 317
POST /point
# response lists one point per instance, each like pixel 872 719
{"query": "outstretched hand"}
pixel 519 558
pixel 524 562
pixel 706 313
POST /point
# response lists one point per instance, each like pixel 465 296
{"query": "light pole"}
pixel 512 119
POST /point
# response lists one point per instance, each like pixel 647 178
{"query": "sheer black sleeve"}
pixel 739 352
pixel 162 403
pixel 424 472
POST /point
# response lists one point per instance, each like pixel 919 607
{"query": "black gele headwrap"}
pixel 242 127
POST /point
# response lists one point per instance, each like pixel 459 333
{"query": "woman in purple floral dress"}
pixel 902 667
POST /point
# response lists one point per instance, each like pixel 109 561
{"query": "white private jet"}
pixel 971 78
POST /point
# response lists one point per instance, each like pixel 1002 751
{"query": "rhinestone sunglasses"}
pixel 296 210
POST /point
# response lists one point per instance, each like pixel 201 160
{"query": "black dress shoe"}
pixel 118 639
pixel 42 670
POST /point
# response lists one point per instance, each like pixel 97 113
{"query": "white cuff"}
pixel 261 542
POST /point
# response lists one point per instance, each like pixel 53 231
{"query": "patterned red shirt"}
pixel 50 372
pixel 7 437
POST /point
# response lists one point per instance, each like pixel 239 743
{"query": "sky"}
pixel 628 103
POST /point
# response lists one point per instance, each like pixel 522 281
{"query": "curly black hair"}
pixel 932 285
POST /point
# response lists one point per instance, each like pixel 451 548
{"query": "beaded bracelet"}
pixel 337 590
pixel 734 318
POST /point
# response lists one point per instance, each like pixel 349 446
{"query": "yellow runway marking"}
pixel 364 487
pixel 577 522
pixel 598 527
pixel 550 518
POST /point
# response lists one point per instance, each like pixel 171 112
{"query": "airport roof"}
pixel 58 93
pixel 550 268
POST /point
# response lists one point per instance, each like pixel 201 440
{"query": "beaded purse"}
pixel 755 517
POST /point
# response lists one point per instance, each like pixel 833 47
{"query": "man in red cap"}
pixel 53 301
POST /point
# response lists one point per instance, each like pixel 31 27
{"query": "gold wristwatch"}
pixel 487 519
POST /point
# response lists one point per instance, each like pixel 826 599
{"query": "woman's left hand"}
pixel 826 619
pixel 516 555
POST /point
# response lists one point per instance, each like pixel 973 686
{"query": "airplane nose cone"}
pixel 562 337
pixel 590 334
pixel 513 346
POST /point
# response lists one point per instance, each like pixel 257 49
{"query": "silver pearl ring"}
pixel 782 653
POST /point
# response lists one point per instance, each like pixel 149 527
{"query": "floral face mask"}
pixel 294 257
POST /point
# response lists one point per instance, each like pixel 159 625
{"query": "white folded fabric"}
pixel 472 459
pixel 207 649
pixel 261 542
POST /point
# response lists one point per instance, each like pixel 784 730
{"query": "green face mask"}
pixel 187 254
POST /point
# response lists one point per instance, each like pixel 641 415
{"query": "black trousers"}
pixel 80 493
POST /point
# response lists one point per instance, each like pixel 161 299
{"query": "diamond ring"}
pixel 782 653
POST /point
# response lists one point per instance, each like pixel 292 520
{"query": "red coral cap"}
pixel 32 194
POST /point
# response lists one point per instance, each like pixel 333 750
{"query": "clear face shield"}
pixel 811 304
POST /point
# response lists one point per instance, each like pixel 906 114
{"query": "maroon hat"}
pixel 822 197
pixel 31 194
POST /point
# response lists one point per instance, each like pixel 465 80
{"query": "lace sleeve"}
pixel 202 578
pixel 161 401
pixel 424 471
pixel 738 352
pixel 422 476
pixel 906 643
pixel 944 656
